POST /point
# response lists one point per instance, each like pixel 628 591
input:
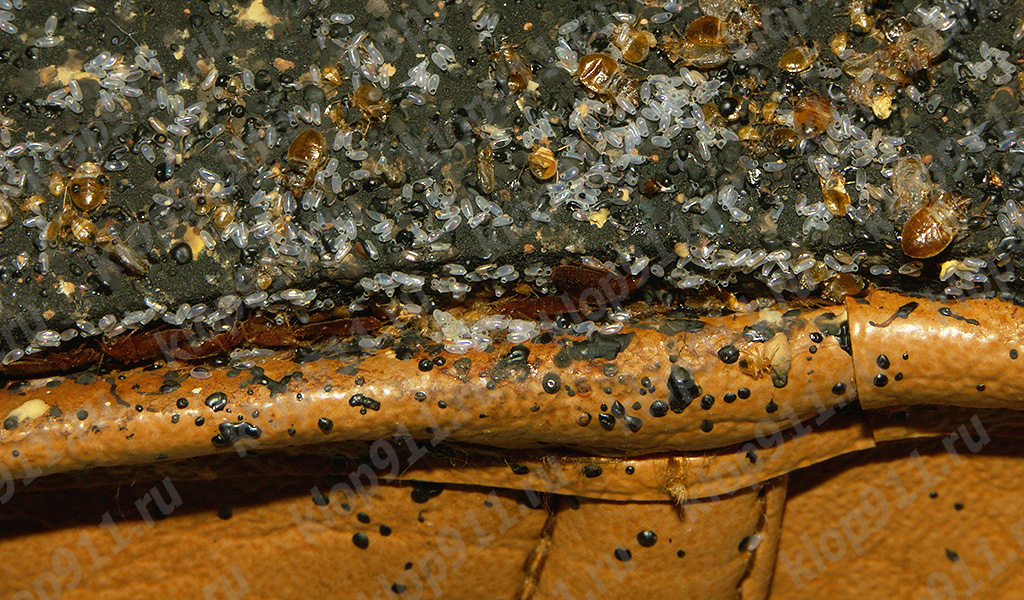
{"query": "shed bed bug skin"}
pixel 507 63
pixel 635 44
pixel 370 101
pixel 543 164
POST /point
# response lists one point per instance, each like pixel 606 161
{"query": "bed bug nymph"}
pixel 305 154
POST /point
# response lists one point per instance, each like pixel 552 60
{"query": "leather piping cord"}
pixel 669 386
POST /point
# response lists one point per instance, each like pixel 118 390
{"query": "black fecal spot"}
pixel 365 402
pixel 592 471
pixel 363 518
pixel 200 421
pixel 425 365
pixel 707 401
pixel 82 415
pixel 404 352
pixel 743 393
pixel 880 380
pixel 758 332
pixel 729 397
pixel 675 326
pixel 771 407
pixel 1013 354
pixel 706 426
pixel 518 353
pixel 658 409
pixel 424 491
pixel 751 457
pixel 633 423
pixel 182 403
pixel 232 432
pixel 461 367
pixel 843 337
pixel 901 313
pixel 623 554
pixel 305 355
pixel 951 555
pixel 898 376
pixel 513 364
pixel 680 553
pixel 647 538
pixel 606 346
pixel 519 469
pixel 361 541
pixel 618 410
pixel 816 337
pixel 947 312
pixel 385 530
pixel 606 420
pixel 325 424
pixel 217 401
pixel 839 388
pixel 630 470
pixel 728 354
pixel 882 361
pixel 980 387
pixel 552 383
pixel 682 389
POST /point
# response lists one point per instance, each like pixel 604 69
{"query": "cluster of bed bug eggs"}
pixel 294 194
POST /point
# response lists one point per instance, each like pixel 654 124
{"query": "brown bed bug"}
pixel 601 74
pixel 931 228
pixel 703 45
pixel 88 187
pixel 305 154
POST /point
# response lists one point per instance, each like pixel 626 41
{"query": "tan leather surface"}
pixel 593 489
pixel 464 543
pixel 713 535
pixel 129 420
pixel 951 349
pixel 889 523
